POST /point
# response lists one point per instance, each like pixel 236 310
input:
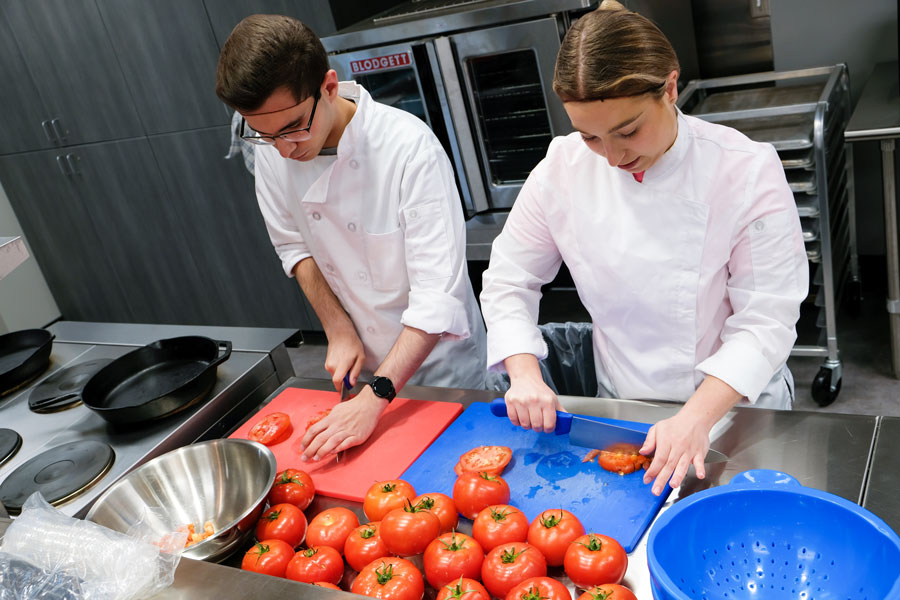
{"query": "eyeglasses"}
pixel 295 135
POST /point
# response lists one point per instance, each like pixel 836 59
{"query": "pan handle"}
pixel 224 356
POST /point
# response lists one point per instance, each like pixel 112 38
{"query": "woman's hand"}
pixel 683 440
pixel 529 402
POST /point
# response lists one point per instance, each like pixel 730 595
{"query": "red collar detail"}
pixel 639 177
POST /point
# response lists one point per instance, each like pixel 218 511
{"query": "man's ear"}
pixel 330 85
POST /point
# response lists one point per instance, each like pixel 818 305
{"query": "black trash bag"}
pixel 568 369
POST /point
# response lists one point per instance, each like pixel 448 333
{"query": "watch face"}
pixel 383 387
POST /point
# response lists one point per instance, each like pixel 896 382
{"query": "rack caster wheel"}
pixel 823 392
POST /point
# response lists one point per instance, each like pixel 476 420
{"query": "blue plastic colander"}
pixel 765 536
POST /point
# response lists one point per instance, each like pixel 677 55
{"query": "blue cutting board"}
pixel 545 472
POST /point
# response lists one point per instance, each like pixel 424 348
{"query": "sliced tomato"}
pixel 484 459
pixel 272 429
pixel 622 459
pixel 317 417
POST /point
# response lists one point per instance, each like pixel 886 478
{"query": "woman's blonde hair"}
pixel 612 52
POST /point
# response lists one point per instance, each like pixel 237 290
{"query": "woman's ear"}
pixel 672 87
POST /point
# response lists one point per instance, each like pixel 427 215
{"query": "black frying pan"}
pixel 23 354
pixel 156 380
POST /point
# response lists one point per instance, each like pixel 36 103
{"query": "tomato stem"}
pixel 384 574
pixel 388 487
pixel 509 556
pixel 272 516
pixel 367 533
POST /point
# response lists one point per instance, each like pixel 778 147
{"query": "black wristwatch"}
pixel 383 388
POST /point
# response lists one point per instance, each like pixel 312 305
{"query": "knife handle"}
pixel 563 419
pixel 347 380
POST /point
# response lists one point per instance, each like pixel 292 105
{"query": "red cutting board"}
pixel 403 432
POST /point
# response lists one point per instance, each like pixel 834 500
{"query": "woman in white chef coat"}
pixel 682 238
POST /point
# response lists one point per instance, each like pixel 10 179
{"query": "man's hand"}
pixel 529 402
pixel 345 354
pixel 350 423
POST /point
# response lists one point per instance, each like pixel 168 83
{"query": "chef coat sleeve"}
pixel 283 232
pixel 434 236
pixel 768 280
pixel 523 258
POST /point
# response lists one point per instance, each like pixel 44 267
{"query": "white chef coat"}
pixel 699 270
pixel 383 220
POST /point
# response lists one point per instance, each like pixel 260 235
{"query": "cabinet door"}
pixel 71 60
pixel 168 55
pixel 225 14
pixel 230 243
pixel 42 191
pixel 22 109
pixel 141 230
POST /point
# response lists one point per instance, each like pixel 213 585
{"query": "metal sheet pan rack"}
pixel 803 114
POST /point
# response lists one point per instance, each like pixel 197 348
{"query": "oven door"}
pixel 507 75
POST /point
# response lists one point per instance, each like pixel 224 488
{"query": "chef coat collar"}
pixel 351 90
pixel 672 158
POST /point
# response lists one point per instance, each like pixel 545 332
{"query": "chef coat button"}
pixel 759 225
pixel 362 275
pixel 354 164
pixel 370 329
pixel 351 226
pixel 316 216
pixel 413 214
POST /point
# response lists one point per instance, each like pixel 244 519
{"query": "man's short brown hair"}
pixel 267 52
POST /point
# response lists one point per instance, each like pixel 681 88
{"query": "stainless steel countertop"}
pixel 877 114
pixel 825 451
pixel 369 33
pixel 883 487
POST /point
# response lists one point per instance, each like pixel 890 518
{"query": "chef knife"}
pixel 596 434
pixel 344 393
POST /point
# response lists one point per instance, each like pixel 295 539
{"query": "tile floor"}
pixel 863 340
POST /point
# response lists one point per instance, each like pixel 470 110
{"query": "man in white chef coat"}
pixel 362 208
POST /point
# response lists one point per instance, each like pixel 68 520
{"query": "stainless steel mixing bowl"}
pixel 223 481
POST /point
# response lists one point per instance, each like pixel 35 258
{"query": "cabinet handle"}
pixel 58 128
pixel 45 125
pixel 62 165
pixel 73 159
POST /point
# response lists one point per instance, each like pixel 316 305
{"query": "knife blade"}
pixel 596 434
pixel 344 394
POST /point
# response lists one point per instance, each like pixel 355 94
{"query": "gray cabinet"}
pixel 168 55
pixel 73 66
pixel 225 14
pixel 44 194
pixel 22 109
pixel 217 201
pixel 141 230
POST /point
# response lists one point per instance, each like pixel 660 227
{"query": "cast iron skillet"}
pixel 156 380
pixel 23 354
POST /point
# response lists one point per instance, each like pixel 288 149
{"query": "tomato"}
pixel 283 522
pixel 325 584
pixel 551 533
pixel 331 528
pixel 390 578
pixel 474 491
pixel 363 545
pixel 499 524
pixel 608 591
pixel 441 506
pixel 594 559
pixel 621 458
pixel 539 588
pixel 484 459
pixel 385 496
pixel 292 486
pixel 451 556
pixel 316 563
pixel 407 531
pixel 510 564
pixel 463 589
pixel 269 557
pixel 272 429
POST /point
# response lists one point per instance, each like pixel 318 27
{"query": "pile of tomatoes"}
pixel 506 557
